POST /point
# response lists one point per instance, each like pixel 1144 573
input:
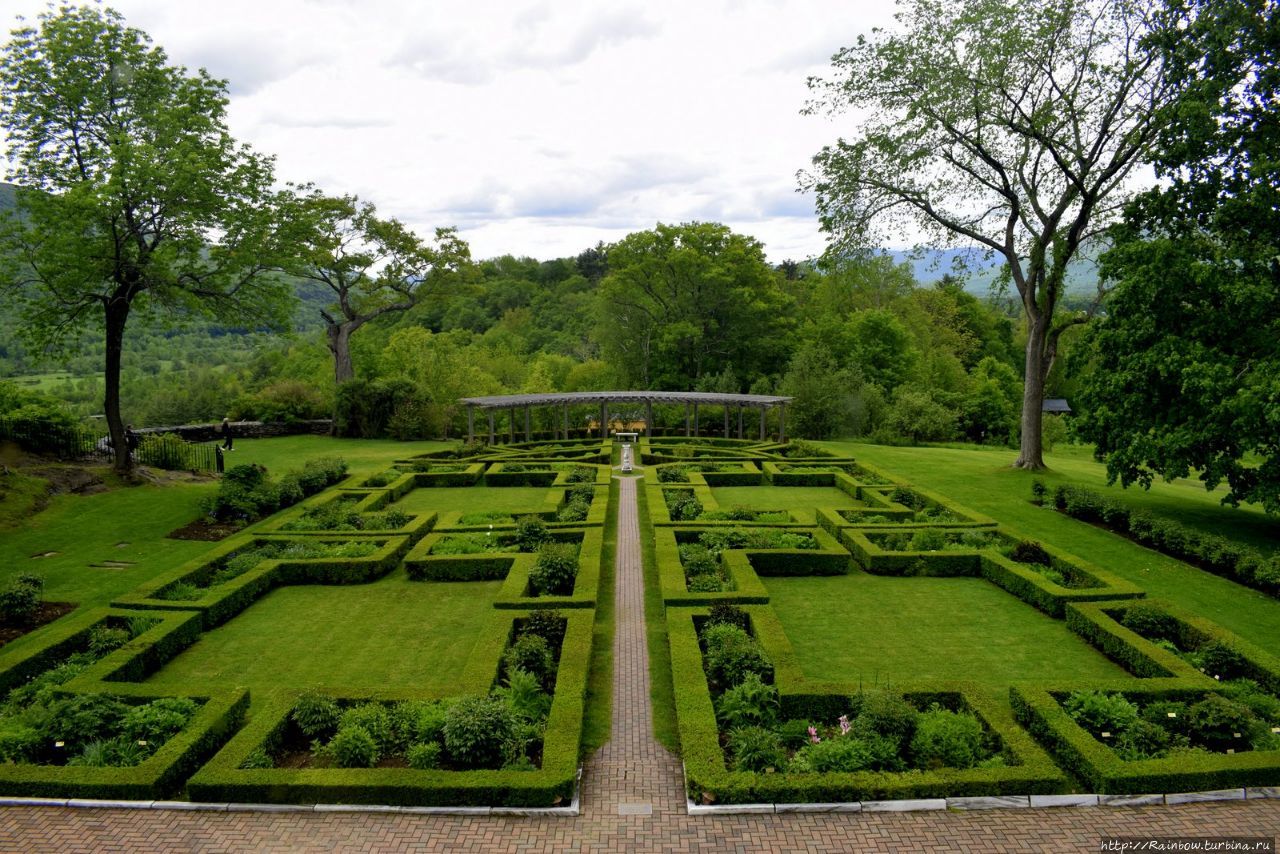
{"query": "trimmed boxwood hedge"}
pixel 222 779
pixel 1103 771
pixel 710 781
pixel 1100 624
pixel 224 601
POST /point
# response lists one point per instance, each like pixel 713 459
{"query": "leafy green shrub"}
pixel 755 748
pixel 724 612
pixel 478 730
pixel 373 718
pixel 1149 621
pixel 354 747
pixel 752 702
pixel 315 714
pixel 104 639
pixel 732 654
pixel 524 696
pixel 20 600
pixel 581 474
pixel 420 721
pixel 927 540
pixel 423 757
pixel 555 570
pixel 887 714
pixel 946 739
pixel 1098 711
pixel 1143 739
pixel 531 533
pixel 846 754
pixel 1250 693
pixel 705 584
pixel 547 623
pixel 158 721
pixel 575 510
pixel 699 560
pixel 532 654
pixel 1159 712
pixel 673 474
pixel 682 505
pixel 1029 551
pixel 1222 660
pixel 1038 492
pixel 83 718
pixel 1218 723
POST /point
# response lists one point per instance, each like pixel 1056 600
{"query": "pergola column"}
pixel 782 422
pixel 686 419
pixel 739 420
pixel 648 418
pixel 604 418
pixel 762 411
pixel 492 438
pixel 471 424
pixel 726 421
pixel 566 422
pixel 511 425
pixel 695 421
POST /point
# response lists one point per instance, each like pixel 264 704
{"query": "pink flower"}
pixel 844 725
pixel 813 735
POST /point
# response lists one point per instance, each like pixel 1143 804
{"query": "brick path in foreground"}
pixel 630 772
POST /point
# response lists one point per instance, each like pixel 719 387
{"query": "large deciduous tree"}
pixel 373 266
pixel 681 302
pixel 135 197
pixel 1186 370
pixel 1007 124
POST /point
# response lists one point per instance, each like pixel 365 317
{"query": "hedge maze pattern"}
pixel 213 757
pixel 899 528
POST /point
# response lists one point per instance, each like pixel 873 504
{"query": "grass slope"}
pixel 982 479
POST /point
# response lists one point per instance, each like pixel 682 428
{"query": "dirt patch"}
pixel 202 529
pixel 49 611
pixel 112 564
pixel 45 554
pixel 81 480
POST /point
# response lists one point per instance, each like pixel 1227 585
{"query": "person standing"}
pixel 227 438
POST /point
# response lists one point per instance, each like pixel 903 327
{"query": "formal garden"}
pixel 419 633
pixel 431 629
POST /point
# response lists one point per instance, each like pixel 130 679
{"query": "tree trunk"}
pixel 340 346
pixel 1031 454
pixel 117 314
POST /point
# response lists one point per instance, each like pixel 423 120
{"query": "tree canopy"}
pixel 372 266
pixel 1186 374
pixel 135 197
pixel 1011 126
pixel 684 301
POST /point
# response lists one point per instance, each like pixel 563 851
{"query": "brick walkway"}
pixel 629 773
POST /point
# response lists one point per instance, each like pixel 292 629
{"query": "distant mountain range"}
pixel 1082 274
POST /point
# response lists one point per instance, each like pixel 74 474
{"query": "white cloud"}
pixel 539 128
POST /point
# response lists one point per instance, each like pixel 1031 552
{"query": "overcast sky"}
pixel 537 128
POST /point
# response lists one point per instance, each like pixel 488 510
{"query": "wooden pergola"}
pixel 693 401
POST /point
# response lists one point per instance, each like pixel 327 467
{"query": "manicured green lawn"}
pixel 983 480
pixel 127 524
pixel 474 499
pixel 393 633
pixel 290 452
pixel 872 629
pixel 802 500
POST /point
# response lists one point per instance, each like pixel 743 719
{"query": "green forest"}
pixel 155 272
